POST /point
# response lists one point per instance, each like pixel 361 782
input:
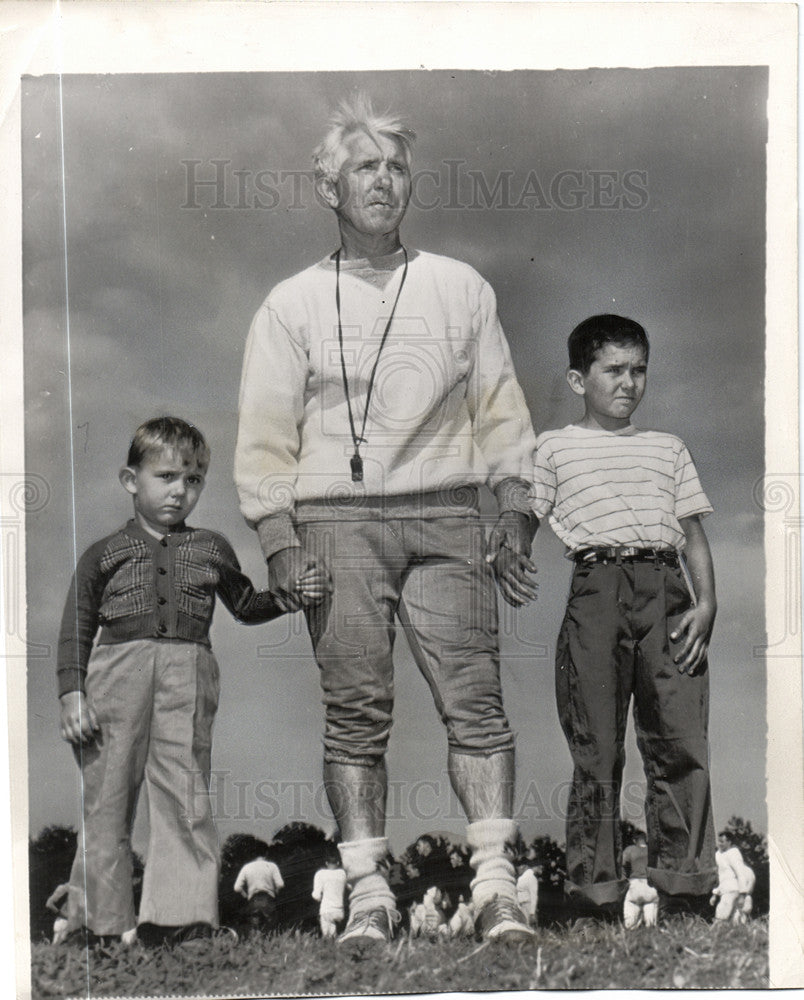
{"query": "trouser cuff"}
pixel 683 883
pixel 599 893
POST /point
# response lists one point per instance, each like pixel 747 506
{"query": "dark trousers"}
pixel 615 644
pixel 261 911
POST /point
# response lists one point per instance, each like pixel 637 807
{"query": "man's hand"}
pixel 78 721
pixel 314 584
pixel 695 628
pixel 508 551
pixel 292 583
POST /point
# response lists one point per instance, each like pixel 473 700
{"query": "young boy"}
pixel 139 706
pixel 627 503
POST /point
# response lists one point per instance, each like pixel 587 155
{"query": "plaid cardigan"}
pixel 131 585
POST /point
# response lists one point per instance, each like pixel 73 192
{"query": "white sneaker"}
pixel 502 920
pixel 370 926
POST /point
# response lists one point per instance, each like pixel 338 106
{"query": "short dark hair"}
pixel 594 333
pixel 168 432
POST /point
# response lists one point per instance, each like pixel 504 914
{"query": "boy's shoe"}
pixel 502 920
pixel 583 916
pixel 156 935
pixel 585 925
pixel 191 932
pixel 198 936
pixel 86 938
pixel 129 937
pixel 370 926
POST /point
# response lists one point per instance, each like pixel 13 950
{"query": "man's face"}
pixel 373 187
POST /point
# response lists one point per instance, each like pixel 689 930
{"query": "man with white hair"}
pixel 377 399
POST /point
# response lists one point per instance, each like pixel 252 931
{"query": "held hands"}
pixel 297 579
pixel 313 584
pixel 78 722
pixel 695 629
pixel 508 551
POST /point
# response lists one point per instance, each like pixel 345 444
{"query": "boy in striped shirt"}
pixel 627 503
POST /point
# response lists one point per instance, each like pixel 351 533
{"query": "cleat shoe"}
pixel 370 926
pixel 502 920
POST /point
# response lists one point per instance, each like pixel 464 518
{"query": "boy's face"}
pixel 166 486
pixel 613 386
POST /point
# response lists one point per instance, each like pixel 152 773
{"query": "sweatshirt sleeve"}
pixel 501 421
pixel 271 408
pixel 80 621
pixel 237 592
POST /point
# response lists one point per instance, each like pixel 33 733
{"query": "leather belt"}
pixel 626 553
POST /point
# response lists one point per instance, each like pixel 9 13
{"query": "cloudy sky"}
pixel 573 192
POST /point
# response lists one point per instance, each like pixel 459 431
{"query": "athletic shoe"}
pixel 502 920
pixel 370 926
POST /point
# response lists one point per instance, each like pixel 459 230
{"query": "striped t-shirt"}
pixel 627 487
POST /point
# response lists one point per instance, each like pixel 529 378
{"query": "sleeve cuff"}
pixel 71 679
pixel 275 533
pixel 513 494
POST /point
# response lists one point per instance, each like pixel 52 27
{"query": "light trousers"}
pixel 155 701
pixel 431 574
pixel 641 904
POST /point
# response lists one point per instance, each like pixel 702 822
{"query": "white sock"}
pixel 368 887
pixel 494 872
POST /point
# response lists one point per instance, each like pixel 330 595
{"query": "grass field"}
pixel 685 952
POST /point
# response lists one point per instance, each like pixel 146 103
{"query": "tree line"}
pixel 300 849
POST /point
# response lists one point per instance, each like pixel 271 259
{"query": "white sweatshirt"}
pixel 446 411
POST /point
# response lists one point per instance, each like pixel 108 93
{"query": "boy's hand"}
pixel 695 628
pixel 508 551
pixel 285 571
pixel 314 585
pixel 78 721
